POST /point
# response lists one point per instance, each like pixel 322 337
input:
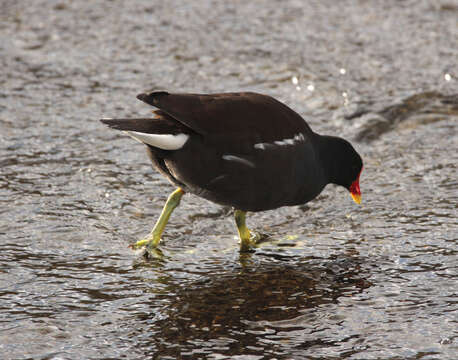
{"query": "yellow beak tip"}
pixel 356 198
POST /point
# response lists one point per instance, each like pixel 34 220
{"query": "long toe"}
pixel 139 244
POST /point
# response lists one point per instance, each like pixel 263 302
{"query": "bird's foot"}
pixel 139 244
pixel 149 242
pixel 257 237
pixel 254 241
pixel 249 243
pixel 151 251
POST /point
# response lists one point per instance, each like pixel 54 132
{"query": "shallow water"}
pixel 333 280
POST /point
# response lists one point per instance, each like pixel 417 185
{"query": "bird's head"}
pixel 343 164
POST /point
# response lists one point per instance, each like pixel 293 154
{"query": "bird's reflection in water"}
pixel 243 308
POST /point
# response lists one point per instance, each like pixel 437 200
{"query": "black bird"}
pixel 244 150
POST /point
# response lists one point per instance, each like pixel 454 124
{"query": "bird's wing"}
pixel 267 119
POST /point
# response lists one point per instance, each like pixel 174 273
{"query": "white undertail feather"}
pixel 161 141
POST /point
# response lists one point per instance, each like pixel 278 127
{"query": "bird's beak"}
pixel 356 197
pixel 355 192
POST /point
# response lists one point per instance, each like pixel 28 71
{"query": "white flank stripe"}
pixel 161 141
pixel 297 138
pixel 289 141
pixel 216 179
pixel 239 160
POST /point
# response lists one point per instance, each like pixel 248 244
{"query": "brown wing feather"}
pixel 162 123
pixel 231 113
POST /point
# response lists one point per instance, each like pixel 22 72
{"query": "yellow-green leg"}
pixel 152 241
pixel 245 235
